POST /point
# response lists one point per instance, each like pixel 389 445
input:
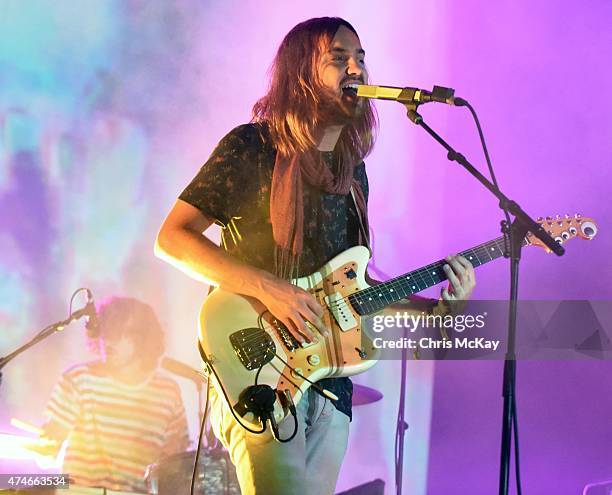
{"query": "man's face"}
pixel 118 352
pixel 343 64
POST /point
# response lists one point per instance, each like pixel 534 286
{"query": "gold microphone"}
pixel 407 95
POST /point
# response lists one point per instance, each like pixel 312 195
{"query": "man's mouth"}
pixel 350 88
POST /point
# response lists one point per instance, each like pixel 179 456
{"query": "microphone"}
pixel 182 369
pixel 439 94
pixel 89 311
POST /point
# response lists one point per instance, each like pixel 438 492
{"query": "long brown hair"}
pixel 292 106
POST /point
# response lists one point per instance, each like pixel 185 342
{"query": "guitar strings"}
pixel 345 303
pixel 496 241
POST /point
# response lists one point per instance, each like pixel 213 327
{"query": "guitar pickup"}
pixel 341 311
pixel 253 346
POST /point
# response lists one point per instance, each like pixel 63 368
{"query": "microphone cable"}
pixel 465 103
pixel 513 409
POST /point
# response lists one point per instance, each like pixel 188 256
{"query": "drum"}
pixel 216 474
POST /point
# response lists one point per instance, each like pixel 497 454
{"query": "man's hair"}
pixel 126 316
pixel 292 106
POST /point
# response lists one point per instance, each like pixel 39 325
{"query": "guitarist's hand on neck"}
pixel 461 283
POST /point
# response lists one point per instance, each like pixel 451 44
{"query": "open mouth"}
pixel 350 89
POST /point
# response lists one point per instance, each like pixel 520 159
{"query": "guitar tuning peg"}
pixel 539 219
pixel 558 217
pixel 567 215
pixel 577 216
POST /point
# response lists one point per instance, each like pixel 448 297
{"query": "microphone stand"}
pixel 42 335
pixel 516 232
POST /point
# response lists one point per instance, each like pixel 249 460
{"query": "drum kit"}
pixel 215 474
pixel 172 475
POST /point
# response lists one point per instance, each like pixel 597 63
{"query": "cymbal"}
pixel 363 395
pixel 181 369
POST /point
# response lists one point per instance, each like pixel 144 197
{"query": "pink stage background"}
pixel 107 110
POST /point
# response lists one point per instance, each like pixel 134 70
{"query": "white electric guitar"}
pixel 242 344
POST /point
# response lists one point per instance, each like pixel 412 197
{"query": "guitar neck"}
pixel 377 297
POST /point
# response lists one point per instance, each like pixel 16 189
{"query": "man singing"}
pixel 290 191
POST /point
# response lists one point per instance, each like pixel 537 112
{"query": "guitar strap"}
pixel 366 235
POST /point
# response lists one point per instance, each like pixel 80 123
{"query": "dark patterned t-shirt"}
pixel 233 188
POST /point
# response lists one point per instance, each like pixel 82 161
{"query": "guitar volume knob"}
pixel 314 359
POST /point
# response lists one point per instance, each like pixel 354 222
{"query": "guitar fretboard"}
pixel 377 297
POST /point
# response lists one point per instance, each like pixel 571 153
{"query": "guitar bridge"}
pixel 289 341
pixel 253 346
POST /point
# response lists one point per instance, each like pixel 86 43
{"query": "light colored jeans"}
pixel 307 465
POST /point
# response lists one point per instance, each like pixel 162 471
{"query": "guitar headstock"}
pixel 562 229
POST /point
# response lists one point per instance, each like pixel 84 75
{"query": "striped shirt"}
pixel 115 430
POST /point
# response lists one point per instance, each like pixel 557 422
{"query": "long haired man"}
pixel 290 192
